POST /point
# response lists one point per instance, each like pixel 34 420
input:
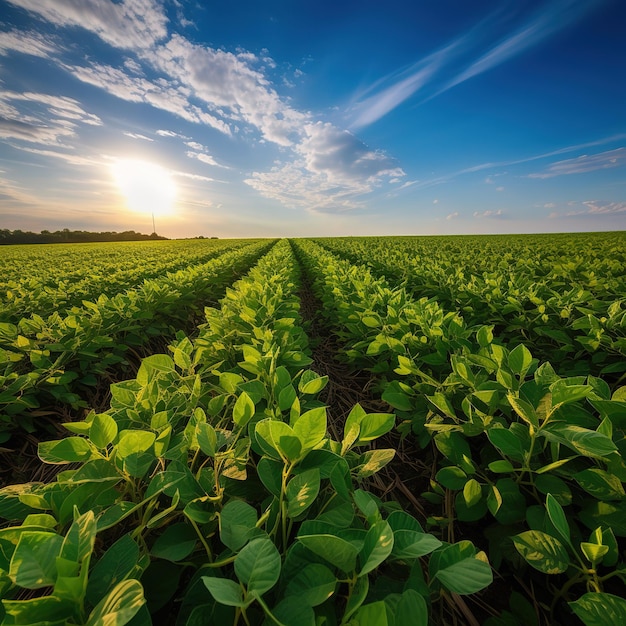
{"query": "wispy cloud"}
pixel 590 208
pixel 452 216
pixel 488 214
pixel 493 41
pixel 41 118
pixel 125 24
pixel 31 43
pixel 137 136
pixel 584 163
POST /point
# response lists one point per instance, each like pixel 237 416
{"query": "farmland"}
pixel 371 431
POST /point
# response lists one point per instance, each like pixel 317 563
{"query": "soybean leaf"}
pixel 472 492
pixel 520 359
pixel 243 410
pixel 524 409
pixel 33 564
pixel 119 606
pixel 373 614
pixel 410 541
pixel 377 547
pixel 367 504
pixel 176 543
pixel 278 439
pixel 286 397
pixel 374 425
pixel 544 552
pixel 80 538
pixel 310 427
pixel 45 611
pixel 103 430
pixel 312 585
pixel 311 383
pixel 258 566
pixel 373 461
pixel 237 524
pixel 207 438
pixel 557 487
pixel 134 442
pixel 357 597
pixel 270 473
pixel 225 591
pixel 335 550
pixel 564 393
pixel 353 420
pixel 153 366
pixel 451 477
pixel 460 569
pixel 593 551
pixel 68 450
pixel 501 467
pixel 600 609
pixel 600 484
pixel 292 611
pixel 302 491
pixel 411 609
pixel 581 440
pixel 114 565
pixel 507 442
pixel 558 518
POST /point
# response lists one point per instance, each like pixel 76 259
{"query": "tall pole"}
pixel 153 226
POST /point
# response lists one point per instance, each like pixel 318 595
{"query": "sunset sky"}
pixel 287 118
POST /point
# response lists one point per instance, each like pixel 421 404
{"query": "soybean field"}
pixel 369 431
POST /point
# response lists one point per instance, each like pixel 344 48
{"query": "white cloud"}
pixel 30 43
pixel 599 207
pixel 72 159
pixel 452 216
pixel 435 201
pixel 343 158
pixel 194 176
pixel 168 96
pixel 169 133
pixel 203 158
pixel 488 214
pixel 194 145
pixel 499 188
pixel 584 163
pixel 137 136
pixel 127 24
pixel 47 120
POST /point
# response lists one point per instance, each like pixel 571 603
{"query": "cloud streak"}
pixel 584 163
pixel 493 41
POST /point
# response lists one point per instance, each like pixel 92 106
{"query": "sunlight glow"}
pixel 147 188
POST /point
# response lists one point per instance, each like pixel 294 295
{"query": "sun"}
pixel 147 187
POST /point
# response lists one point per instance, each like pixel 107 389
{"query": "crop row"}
pixel 534 458
pixel 219 496
pixel 44 279
pixel 564 295
pixel 45 360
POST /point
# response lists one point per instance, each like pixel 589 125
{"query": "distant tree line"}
pixel 70 236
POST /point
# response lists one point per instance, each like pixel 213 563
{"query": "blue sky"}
pixel 284 118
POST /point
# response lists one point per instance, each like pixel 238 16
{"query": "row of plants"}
pixel 49 360
pixel 49 278
pixel 531 461
pixel 564 295
pixel 212 492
